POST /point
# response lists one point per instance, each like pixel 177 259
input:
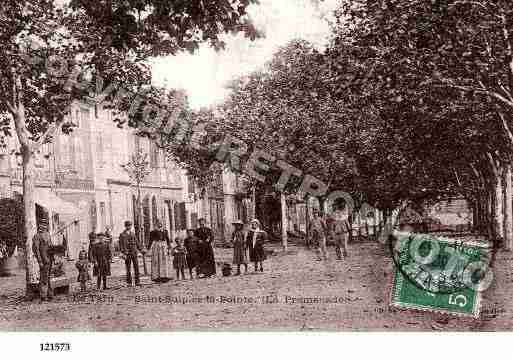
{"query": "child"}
pixel 179 258
pixel 102 258
pixel 239 247
pixel 83 270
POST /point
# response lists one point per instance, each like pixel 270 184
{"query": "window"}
pixel 190 184
pixel 137 143
pixel 65 151
pixel 154 211
pixel 154 155
pixel 103 218
pixel 84 117
pixel 100 149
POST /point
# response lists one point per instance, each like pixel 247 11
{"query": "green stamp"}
pixel 439 274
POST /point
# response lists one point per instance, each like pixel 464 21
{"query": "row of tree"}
pixel 411 101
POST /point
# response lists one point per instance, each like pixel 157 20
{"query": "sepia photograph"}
pixel 255 166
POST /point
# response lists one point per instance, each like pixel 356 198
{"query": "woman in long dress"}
pixel 160 247
pixel 206 261
pixel 255 244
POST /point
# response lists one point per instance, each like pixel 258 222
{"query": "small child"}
pixel 179 258
pixel 83 270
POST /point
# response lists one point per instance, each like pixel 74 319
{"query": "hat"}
pixel 238 222
pixel 128 223
pixel 254 220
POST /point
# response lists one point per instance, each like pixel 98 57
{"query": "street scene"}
pixel 244 165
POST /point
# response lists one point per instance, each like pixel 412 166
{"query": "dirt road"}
pixel 295 292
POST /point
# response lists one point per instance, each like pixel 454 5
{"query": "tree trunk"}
pixel 29 210
pixel 499 206
pixel 508 209
pixel 32 270
pixel 253 202
pixel 307 220
pixel 284 220
pixel 140 229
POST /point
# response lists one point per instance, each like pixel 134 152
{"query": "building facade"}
pixel 81 182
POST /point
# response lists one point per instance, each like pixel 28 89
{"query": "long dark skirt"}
pixel 206 261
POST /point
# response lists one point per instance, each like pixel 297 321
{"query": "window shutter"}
pixel 183 216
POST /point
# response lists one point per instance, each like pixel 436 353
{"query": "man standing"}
pixel 40 246
pixel 130 246
pixel 318 230
pixel 102 257
pixel 341 235
pixel 191 246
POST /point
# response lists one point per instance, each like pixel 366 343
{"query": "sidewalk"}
pixel 283 297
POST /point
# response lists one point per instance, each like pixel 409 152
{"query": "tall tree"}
pixel 138 168
pixel 56 52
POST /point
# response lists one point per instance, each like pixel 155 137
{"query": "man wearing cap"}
pixel 41 243
pixel 130 246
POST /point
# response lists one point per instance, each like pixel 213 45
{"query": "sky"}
pixel 204 74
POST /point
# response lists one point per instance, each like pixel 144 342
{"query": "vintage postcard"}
pixel 244 165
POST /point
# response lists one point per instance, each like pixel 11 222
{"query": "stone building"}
pixel 225 200
pixel 81 183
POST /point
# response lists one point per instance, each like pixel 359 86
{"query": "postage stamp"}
pixel 439 274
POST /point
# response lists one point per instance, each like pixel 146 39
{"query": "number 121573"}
pixel 55 347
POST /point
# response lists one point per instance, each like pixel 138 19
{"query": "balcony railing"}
pixel 42 177
pixel 49 178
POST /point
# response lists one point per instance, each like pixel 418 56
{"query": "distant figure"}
pixel 110 241
pixel 191 245
pixel 101 259
pixel 255 244
pixel 83 270
pixel 179 258
pixel 40 247
pixel 239 247
pixel 206 260
pixel 160 247
pixel 62 239
pixel 130 246
pixel 318 230
pixel 341 235
pixel 92 240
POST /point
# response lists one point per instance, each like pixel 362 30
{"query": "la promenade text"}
pixel 234 299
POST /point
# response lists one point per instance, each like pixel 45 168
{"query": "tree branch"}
pixel 482 90
pixel 506 127
pixel 509 50
pixel 50 132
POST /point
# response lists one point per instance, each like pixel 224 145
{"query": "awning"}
pixel 46 198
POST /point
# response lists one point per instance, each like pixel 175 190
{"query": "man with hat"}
pixel 41 243
pixel 239 247
pixel 130 246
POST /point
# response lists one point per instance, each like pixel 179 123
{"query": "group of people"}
pixel 337 229
pixel 194 252
pixel 251 242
